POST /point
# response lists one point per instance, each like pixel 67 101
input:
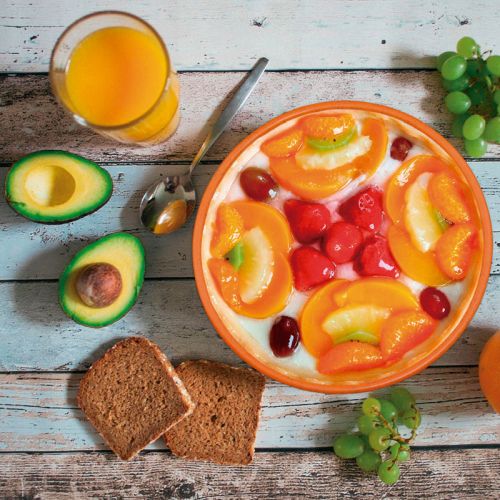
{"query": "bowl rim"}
pixel 406 372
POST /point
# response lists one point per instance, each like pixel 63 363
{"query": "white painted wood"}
pixel 36 335
pixel 39 251
pixel 38 412
pixel 32 120
pixel 293 34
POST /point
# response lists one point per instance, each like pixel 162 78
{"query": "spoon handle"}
pixel 232 107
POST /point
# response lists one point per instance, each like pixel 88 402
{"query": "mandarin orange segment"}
pixel 328 127
pixel 403 331
pixel 284 144
pixel 316 309
pixel 272 222
pixel 446 193
pixel 417 265
pixel 395 191
pixel 489 371
pixel 226 279
pixel 228 230
pixel 380 292
pixel 454 250
pixel 314 184
pixel 350 356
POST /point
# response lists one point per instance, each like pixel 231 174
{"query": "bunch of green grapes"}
pixel 378 445
pixel 472 80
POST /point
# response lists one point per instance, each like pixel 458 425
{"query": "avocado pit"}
pixel 99 285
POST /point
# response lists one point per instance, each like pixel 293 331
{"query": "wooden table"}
pixel 379 51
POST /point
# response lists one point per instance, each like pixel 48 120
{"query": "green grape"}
pixel 402 398
pixel 394 450
pixel 442 58
pixel 411 418
pixel 493 65
pixel 467 46
pixel 388 472
pixel 457 102
pixel 368 461
pixel 371 406
pixel 476 68
pixel 474 127
pixel 478 93
pixel 454 67
pixel 348 446
pixel 388 410
pixel 476 148
pixel 380 439
pixel 496 96
pixel 404 455
pixel 492 130
pixel 457 125
pixel 459 84
pixel 366 424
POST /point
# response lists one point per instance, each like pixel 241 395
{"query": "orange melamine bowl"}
pixel 354 382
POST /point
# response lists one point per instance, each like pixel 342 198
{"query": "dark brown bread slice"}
pixel 223 425
pixel 132 395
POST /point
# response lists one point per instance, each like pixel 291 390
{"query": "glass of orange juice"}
pixel 112 72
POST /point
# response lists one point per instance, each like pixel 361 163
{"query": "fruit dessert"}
pixel 340 244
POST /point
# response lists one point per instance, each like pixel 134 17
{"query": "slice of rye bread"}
pixel 132 395
pixel 223 425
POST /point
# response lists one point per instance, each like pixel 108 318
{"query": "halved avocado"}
pixel 123 251
pixel 56 186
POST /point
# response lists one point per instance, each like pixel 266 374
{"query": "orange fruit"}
pixel 395 191
pixel 316 309
pixel 226 278
pixel 227 232
pixel 446 193
pixel 272 222
pixel 314 184
pixel 284 144
pixel 403 331
pixel 417 265
pixel 350 356
pixel 454 250
pixel 328 127
pixel 489 371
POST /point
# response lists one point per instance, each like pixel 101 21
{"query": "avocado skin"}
pixel 47 219
pixel 82 253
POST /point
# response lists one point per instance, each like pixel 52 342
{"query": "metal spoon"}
pixel 167 204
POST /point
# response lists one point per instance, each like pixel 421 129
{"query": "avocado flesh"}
pixel 126 253
pixel 56 186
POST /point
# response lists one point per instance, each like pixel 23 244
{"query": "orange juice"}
pixel 119 81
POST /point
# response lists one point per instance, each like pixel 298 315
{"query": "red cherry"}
pixel 308 221
pixel 364 209
pixel 435 303
pixel 258 184
pixel 310 268
pixel 375 258
pixel 284 337
pixel 342 241
pixel 400 147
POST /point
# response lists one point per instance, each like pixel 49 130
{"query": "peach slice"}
pixel 226 278
pixel 284 144
pixel 454 250
pixel 356 318
pixel 227 232
pixel 314 184
pixel 380 292
pixel 417 265
pixel 314 312
pixel 272 222
pixel 447 194
pixel 350 356
pixel 328 127
pixel 394 199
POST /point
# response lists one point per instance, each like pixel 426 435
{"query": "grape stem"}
pixel 395 435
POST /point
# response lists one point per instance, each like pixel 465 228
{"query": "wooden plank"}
pixel 32 120
pixel 36 335
pixel 273 475
pixel 228 35
pixel 38 412
pixel 38 251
